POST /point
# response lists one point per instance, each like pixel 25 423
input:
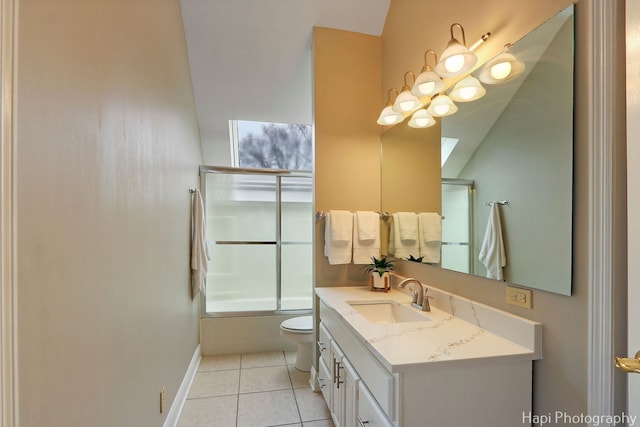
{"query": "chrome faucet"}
pixel 420 299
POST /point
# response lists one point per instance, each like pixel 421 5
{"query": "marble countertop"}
pixel 457 330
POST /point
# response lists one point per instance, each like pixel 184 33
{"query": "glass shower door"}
pixel 457 225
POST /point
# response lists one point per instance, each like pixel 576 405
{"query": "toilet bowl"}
pixel 300 330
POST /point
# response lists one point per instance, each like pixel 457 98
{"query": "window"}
pixel 271 145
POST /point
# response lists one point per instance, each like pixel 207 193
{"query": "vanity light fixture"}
pixel 467 90
pixel 389 116
pixel 502 68
pixel 428 82
pixel 456 59
pixel 421 119
pixel 406 101
pixel 442 106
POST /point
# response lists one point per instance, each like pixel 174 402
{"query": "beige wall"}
pixel 412 26
pixel 347 138
pixel 107 148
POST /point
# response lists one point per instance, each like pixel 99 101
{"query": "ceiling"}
pixel 252 59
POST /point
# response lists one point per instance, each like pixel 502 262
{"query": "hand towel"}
pixel 199 250
pixel 408 226
pixel 492 253
pixel 402 248
pixel 365 225
pixel 338 250
pixel 430 232
pixel 341 225
pixel 368 225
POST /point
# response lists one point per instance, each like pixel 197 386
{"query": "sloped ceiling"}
pixel 252 60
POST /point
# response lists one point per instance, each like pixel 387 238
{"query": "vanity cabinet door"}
pixel 351 381
pixel 369 412
pixel 338 389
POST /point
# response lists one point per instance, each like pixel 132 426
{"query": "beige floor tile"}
pixel 211 411
pixel 312 405
pixel 299 379
pixel 271 408
pixel 264 379
pixel 259 360
pixel 216 383
pixel 221 362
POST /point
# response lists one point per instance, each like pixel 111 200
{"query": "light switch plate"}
pixel 520 297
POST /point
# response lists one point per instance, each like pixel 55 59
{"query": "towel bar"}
pixel 321 215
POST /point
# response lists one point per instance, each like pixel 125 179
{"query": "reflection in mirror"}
pixel 514 144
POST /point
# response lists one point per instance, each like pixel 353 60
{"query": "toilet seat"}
pixel 298 325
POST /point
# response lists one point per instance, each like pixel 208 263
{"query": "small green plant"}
pixel 380 266
pixel 411 258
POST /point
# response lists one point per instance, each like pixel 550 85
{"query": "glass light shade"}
pixel 389 117
pixel 406 102
pixel 421 119
pixel 427 83
pixel 455 60
pixel 442 106
pixel 502 68
pixel 467 90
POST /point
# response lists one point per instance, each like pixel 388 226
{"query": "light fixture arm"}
pixel 406 86
pixel 464 39
pixel 426 66
pixel 393 89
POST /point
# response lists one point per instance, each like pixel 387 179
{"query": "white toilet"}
pixel 300 330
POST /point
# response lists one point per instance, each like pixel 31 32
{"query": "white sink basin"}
pixel 387 312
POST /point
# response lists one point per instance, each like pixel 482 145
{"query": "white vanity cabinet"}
pixel 337 379
pixel 444 372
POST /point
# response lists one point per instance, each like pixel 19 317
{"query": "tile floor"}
pixel 253 390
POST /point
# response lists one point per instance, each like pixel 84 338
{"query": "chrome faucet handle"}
pixel 425 301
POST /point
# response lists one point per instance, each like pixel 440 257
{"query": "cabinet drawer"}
pixel 369 412
pixel 324 380
pixel 324 344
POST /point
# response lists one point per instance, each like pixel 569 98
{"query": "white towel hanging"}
pixel 492 253
pixel 199 249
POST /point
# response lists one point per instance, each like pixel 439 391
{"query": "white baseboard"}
pixel 173 416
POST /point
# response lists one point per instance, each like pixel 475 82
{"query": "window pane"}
pixel 241 278
pixel 273 145
pixel 241 207
pixel 296 277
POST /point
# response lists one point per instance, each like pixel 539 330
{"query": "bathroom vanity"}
pixel 385 363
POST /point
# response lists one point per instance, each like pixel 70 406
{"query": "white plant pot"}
pixel 379 282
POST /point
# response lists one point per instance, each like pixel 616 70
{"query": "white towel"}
pixel 368 225
pixel 402 248
pixel 341 225
pixel 408 226
pixel 492 250
pixel 365 225
pixel 199 249
pixel 338 250
pixel 430 232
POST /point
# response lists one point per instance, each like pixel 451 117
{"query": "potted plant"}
pixel 412 258
pixel 379 273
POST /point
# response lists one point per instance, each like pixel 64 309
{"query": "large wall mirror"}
pixel 514 145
